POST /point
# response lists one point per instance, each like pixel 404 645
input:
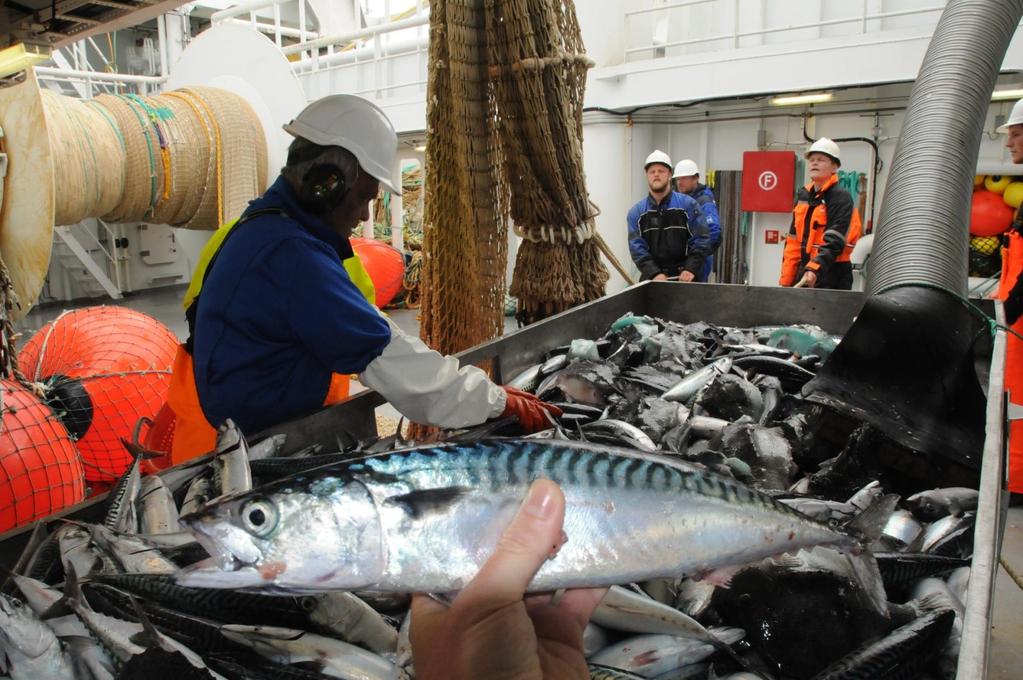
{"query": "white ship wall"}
pixel 642 60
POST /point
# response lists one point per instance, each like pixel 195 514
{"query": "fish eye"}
pixel 259 516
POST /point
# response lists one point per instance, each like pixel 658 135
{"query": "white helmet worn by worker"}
pixel 355 124
pixel 657 156
pixel 686 168
pixel 826 147
pixel 1015 118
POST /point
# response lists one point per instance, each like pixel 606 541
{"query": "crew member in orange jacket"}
pixel 825 226
pixel 1010 292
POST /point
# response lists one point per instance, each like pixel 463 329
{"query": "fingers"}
pixel 427 615
pixel 565 621
pixel 524 546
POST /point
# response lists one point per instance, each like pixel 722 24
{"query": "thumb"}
pixel 525 545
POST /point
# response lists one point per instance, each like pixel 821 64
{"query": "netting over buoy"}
pixel 40 471
pixel 385 266
pixel 101 369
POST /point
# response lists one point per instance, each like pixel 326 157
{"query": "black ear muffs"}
pixel 323 189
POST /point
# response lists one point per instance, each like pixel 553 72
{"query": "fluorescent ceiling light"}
pixel 1006 94
pixel 421 147
pixel 802 99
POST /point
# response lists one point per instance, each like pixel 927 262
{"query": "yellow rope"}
pixel 1013 574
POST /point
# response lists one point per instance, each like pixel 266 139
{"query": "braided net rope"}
pixel 504 142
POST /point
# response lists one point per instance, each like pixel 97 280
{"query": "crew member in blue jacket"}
pixel 687 179
pixel 667 233
pixel 278 314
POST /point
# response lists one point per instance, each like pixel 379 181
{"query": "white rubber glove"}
pixel 427 387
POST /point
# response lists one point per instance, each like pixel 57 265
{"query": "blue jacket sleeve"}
pixel 638 247
pixel 710 213
pixel 327 312
pixel 699 241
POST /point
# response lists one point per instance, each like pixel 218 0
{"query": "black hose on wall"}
pixel 922 231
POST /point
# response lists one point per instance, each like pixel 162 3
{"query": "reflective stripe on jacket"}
pixel 825 227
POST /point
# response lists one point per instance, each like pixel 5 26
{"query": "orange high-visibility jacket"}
pixel 1012 269
pixel 825 227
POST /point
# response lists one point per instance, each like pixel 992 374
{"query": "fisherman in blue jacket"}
pixel 687 179
pixel 278 316
pixel 667 233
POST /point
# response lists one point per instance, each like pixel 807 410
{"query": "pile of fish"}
pixel 743 534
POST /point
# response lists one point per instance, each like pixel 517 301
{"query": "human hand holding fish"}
pixel 491 628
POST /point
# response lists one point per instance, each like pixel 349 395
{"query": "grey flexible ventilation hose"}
pixel 922 231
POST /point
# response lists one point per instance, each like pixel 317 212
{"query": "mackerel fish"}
pixel 425 519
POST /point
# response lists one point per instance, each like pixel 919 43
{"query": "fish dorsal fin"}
pixel 869 524
pixel 149 636
pixel 426 501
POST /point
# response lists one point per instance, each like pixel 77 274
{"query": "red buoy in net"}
pixel 40 471
pixel 101 369
pixel 385 266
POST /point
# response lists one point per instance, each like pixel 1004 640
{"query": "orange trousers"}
pixel 182 424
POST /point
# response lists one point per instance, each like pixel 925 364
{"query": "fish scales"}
pixel 239 606
pixel 425 519
pixel 900 655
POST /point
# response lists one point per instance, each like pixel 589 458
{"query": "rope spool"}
pixel 241 147
pixel 92 158
pixel 193 157
pixel 140 172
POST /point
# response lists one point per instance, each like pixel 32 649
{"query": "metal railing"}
pixel 91 72
pixel 73 236
pixel 362 47
pixel 371 46
pixel 733 39
pixel 365 48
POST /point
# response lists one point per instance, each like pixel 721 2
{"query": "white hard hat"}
pixel 686 168
pixel 826 147
pixel 1015 118
pixel 355 124
pixel 657 156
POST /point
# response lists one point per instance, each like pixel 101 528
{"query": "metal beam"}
pixel 115 4
pixel 45 14
pixel 78 20
pixel 117 19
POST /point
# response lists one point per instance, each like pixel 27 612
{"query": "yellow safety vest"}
pixel 353 265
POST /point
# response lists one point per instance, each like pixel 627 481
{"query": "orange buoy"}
pixel 989 216
pixel 101 369
pixel 40 471
pixel 384 264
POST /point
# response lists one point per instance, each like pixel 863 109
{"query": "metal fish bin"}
pixel 729 305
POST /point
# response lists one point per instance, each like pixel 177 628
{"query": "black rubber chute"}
pixel 906 367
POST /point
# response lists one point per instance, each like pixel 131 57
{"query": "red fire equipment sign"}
pixel 768 181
